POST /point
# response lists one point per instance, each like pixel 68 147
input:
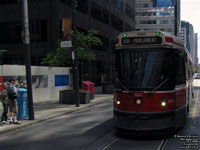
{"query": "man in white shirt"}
pixel 13 104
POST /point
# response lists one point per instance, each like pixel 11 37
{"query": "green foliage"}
pixel 61 57
pixel 58 58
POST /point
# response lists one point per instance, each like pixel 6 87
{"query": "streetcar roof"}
pixel 167 39
pixel 152 39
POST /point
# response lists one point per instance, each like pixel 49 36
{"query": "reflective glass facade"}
pixel 189 33
pixel 158 15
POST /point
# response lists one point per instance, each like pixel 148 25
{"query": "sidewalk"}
pixel 51 109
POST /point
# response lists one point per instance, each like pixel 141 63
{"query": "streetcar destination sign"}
pixel 141 40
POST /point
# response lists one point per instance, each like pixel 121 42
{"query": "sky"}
pixel 190 11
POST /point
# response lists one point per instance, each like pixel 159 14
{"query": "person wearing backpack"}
pixel 12 103
pixel 4 100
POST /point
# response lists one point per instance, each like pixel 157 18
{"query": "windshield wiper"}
pixel 122 85
pixel 160 85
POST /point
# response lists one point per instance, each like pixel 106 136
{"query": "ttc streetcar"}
pixel 153 84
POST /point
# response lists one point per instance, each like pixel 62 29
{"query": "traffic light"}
pixel 74 4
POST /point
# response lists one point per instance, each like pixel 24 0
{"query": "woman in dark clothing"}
pixel 4 100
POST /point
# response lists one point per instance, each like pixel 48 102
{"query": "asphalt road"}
pixel 92 129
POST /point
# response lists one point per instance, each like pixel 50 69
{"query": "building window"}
pixel 10 32
pixel 142 5
pixel 99 13
pixel 165 21
pixel 129 11
pixel 145 21
pixel 145 14
pixel 169 13
pixel 119 4
pixel 67 2
pixel 105 16
pixel 83 6
pixel 7 2
pixel 117 23
pixel 169 30
pixel 128 27
pixel 38 31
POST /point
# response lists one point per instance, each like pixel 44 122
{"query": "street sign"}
pixel 66 44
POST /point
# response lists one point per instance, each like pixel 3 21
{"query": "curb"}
pixel 30 122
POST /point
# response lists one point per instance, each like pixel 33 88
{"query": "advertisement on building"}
pixel 66 32
pixel 165 3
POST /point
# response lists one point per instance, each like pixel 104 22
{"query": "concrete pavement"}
pixel 52 109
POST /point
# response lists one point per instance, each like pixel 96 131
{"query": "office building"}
pixel 158 15
pixel 195 54
pixel 109 17
pixel 188 28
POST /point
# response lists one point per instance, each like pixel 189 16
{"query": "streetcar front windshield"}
pixel 145 69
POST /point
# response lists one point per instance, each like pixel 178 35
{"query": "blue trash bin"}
pixel 22 103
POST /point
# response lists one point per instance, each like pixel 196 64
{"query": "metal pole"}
pixel 28 59
pixel 175 17
pixel 74 55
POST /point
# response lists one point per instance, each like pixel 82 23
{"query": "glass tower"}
pixel 158 15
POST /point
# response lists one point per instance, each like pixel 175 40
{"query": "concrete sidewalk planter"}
pixel 84 96
pixel 67 97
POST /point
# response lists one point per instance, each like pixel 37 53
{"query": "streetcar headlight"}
pixel 163 102
pixel 118 100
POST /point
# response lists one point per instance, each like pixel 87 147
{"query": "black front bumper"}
pixel 145 123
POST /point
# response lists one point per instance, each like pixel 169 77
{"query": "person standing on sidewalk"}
pixel 12 103
pixel 4 100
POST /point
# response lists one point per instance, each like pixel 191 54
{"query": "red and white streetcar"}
pixel 153 87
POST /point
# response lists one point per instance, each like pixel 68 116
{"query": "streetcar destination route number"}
pixel 141 40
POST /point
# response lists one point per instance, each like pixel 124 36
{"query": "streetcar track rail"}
pixel 163 144
pixel 107 144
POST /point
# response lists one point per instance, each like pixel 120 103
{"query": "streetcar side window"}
pixel 180 68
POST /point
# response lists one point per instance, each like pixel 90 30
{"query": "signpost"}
pixel 68 41
pixel 74 55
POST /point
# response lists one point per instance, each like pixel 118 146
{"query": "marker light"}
pixel 169 40
pixel 157 33
pixel 138 101
pixel 117 41
pixel 125 34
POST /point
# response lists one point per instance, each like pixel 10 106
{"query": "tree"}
pixel 61 57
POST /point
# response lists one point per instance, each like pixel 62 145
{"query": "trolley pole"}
pixel 28 58
pixel 74 55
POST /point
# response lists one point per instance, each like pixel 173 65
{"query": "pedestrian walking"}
pixel 12 103
pixel 4 100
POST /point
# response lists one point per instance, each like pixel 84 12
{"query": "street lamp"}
pixel 28 59
pixel 74 54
